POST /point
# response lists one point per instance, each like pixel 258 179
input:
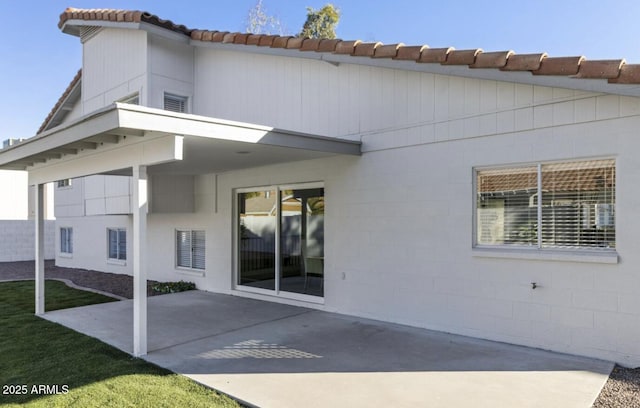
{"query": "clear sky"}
pixel 38 60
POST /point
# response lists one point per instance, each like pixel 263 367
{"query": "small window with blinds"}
pixel 66 240
pixel 190 249
pixel 117 244
pixel 568 205
pixel 175 103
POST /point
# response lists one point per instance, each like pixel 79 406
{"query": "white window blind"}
pixel 117 243
pixel 175 103
pixel 190 249
pixel 66 240
pixel 576 210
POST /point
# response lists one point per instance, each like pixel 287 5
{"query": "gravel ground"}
pixel 121 285
pixel 621 390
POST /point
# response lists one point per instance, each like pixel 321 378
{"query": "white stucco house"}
pixel 488 194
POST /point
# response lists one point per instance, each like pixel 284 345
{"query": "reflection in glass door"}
pixel 281 234
pixel 257 216
pixel 302 241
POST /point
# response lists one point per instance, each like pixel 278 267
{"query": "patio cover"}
pixel 134 140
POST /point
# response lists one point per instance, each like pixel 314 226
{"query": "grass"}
pixel 34 351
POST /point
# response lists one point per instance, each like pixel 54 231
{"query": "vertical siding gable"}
pixel 112 61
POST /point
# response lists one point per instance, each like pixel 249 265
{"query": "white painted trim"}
pixel 140 194
pixel 604 257
pixel 190 271
pixel 39 249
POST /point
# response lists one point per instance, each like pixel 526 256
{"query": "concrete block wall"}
pixel 17 240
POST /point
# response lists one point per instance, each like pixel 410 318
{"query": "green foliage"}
pixel 173 287
pixel 321 23
pixel 34 351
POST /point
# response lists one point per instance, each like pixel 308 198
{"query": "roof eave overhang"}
pixel 121 135
pixel 523 77
pixel 72 27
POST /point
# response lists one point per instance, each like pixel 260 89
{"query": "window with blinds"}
pixel 117 243
pixel 190 249
pixel 66 240
pixel 175 103
pixel 555 205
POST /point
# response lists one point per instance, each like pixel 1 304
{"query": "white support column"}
pixel 139 260
pixel 39 247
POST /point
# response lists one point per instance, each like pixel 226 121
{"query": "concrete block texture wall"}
pixel 17 240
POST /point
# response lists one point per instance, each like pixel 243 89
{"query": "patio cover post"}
pixel 139 260
pixel 39 247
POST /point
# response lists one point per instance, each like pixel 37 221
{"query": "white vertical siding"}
pixel 171 70
pixel 114 66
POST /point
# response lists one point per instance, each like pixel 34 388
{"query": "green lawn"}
pixel 34 351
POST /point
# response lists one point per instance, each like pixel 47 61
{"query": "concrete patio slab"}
pixel 273 355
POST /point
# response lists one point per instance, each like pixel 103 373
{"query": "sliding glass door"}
pixel 257 218
pixel 280 244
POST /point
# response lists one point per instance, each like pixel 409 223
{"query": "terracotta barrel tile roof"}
pixel 241 38
pixel 600 69
pixel 410 53
pixel 266 40
pixel 228 38
pixel 524 62
pixel 434 55
pixel 387 51
pixel 559 66
pixel 462 57
pixel 629 74
pixel 295 42
pixel 253 39
pixel 280 42
pixel 310 44
pixel 615 71
pixel 218 36
pixel 328 45
pixel 492 59
pixel 365 49
pixel 347 47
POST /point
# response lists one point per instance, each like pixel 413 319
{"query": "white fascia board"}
pixel 158 120
pixel 154 151
pixel 101 121
pixel 591 85
pixel 165 33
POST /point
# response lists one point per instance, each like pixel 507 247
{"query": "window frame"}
pixel 117 259
pixel 585 253
pixel 244 289
pixel 192 254
pixel 68 239
pixel 64 184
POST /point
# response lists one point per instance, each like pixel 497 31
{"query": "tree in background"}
pixel 321 23
pixel 260 22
